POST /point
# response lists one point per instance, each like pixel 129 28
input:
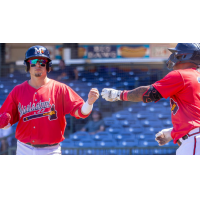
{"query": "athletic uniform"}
pixel 40 114
pixel 183 88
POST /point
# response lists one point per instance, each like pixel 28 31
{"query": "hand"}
pixel 110 94
pixel 93 96
pixel 5 120
pixel 164 136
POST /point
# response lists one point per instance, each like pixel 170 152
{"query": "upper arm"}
pixel 71 102
pixel 10 106
pixel 170 85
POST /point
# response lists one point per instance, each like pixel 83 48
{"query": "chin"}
pixel 38 75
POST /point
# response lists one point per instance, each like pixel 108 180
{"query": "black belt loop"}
pixel 185 137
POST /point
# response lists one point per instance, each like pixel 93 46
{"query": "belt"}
pixel 179 142
pixel 191 133
pixel 42 145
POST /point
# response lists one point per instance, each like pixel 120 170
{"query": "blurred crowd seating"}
pixel 127 124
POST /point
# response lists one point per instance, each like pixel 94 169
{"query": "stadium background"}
pixel 130 127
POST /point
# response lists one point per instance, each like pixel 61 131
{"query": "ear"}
pixel 27 66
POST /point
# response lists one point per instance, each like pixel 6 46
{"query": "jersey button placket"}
pixel 33 121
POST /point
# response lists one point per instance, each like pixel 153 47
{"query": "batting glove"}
pixel 164 136
pixel 111 95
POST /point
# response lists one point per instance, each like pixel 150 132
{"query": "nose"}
pixel 38 64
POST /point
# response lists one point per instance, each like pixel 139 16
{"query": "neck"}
pixel 37 82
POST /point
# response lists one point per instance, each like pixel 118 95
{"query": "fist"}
pixel 93 96
pixel 110 94
pixel 4 120
pixel 164 136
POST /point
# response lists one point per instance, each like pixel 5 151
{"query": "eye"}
pixel 178 57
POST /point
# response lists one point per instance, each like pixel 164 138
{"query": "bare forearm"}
pixel 136 94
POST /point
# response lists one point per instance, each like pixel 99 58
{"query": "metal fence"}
pixel 81 78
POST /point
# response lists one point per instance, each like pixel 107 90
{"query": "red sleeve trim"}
pixel 124 95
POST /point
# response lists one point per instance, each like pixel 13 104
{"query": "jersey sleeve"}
pixel 71 101
pixel 171 84
pixel 10 106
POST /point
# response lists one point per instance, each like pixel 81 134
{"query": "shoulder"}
pixel 186 72
pixel 173 73
pixel 20 86
pixel 59 84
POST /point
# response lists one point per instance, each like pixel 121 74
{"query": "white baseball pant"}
pixel 190 146
pixel 25 149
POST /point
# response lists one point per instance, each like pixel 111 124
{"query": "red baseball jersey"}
pixel 40 113
pixel 183 88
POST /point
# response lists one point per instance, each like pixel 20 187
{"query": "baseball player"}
pixel 40 105
pixel 182 85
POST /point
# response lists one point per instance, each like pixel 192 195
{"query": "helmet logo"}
pixel 39 51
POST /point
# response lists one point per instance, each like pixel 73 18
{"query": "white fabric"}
pixel 110 94
pixel 5 132
pixel 24 149
pixel 188 146
pixel 196 130
pixel 86 108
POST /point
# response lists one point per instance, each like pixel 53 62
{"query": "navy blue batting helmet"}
pixel 37 51
pixel 183 53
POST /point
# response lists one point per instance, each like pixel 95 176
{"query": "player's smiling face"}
pixel 38 69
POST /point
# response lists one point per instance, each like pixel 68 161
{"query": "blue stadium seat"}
pixel 84 143
pixel 108 121
pixel 124 135
pixel 115 129
pixel 150 143
pixel 171 144
pixel 163 116
pixel 106 143
pixel 167 123
pixel 135 152
pixel 128 143
pixel 79 135
pixel 69 151
pixel 133 122
pixel 145 136
pixel 122 116
pixel 135 130
pixel 142 115
pixel 87 152
pixel 153 130
pixel 154 109
pixel 101 136
pixel 67 143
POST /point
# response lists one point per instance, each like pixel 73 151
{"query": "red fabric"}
pixel 125 96
pixel 183 88
pixel 121 96
pixel 4 119
pixel 41 112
